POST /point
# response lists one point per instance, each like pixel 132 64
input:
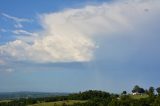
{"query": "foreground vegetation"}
pixel 141 97
pixel 59 103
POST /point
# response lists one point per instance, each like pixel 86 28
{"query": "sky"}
pixel 77 45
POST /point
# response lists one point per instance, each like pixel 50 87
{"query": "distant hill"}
pixel 17 95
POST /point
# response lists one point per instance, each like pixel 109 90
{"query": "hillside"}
pixel 140 97
pixel 17 95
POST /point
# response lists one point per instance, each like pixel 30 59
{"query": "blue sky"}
pixel 77 45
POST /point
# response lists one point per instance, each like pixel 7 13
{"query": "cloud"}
pixel 6 69
pixel 71 35
pixel 17 20
pixel 25 36
pixel 9 70
pixel 49 50
pixel 24 32
pixel 4 66
pixel 3 30
pixel 2 62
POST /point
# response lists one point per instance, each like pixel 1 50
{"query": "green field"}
pixel 5 101
pixel 140 96
pixel 59 103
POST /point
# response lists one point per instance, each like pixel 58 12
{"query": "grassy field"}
pixel 59 103
pixel 139 96
pixel 5 101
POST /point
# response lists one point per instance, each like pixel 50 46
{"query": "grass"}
pixel 140 96
pixel 59 103
pixel 5 101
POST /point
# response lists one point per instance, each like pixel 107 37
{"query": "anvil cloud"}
pixel 70 35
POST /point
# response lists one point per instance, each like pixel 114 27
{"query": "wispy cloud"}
pixel 3 30
pixel 24 32
pixel 25 35
pixel 6 69
pixel 17 20
pixel 9 70
pixel 71 35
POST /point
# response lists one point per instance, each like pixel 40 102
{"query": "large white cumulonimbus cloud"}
pixel 70 35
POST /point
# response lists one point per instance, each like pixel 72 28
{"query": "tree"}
pixel 151 91
pixel 136 89
pixel 146 91
pixel 141 90
pixel 124 92
pixel 158 90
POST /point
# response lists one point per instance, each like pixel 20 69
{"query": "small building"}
pixel 135 93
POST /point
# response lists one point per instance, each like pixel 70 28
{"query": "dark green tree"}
pixel 136 89
pixel 124 92
pixel 141 90
pixel 151 91
pixel 158 90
